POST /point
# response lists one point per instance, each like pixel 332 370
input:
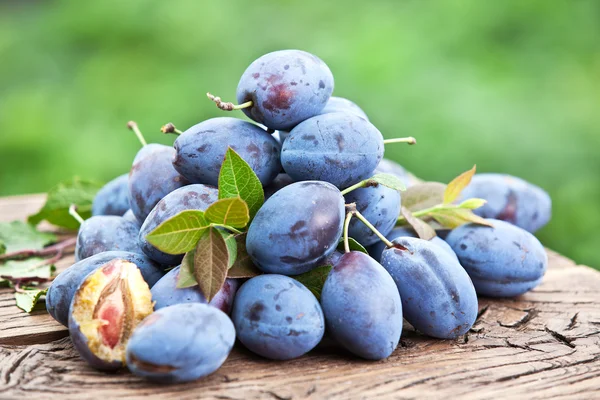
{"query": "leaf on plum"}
pixel 422 228
pixel 315 279
pixel 353 244
pixel 390 181
pixel 472 204
pixel 243 267
pixel 457 185
pixel 180 233
pixel 455 217
pixel 211 262
pixel 237 179
pixel 424 195
pixel 229 211
pixel 186 276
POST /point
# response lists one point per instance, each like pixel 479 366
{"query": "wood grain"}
pixel 542 345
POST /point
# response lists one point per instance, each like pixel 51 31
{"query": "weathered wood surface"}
pixel 545 344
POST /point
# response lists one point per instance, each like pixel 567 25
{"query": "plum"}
pixel 280 181
pixel 438 297
pixel 285 87
pixel 296 228
pixel 510 199
pixel 380 205
pixel 339 148
pixel 277 317
pixel 180 343
pixel 106 308
pixel 200 150
pixel 105 233
pixel 129 216
pixel 377 249
pixel 393 168
pixel 340 104
pixel 362 307
pixel 190 197
pixel 112 198
pixel 165 293
pixel 503 260
pixel 63 287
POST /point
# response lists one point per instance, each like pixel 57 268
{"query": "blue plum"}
pixel 280 181
pixel 510 199
pixel 377 249
pixel 277 317
pixel 503 261
pixel 297 228
pixel 285 87
pixel 129 216
pixel 340 104
pixel 380 205
pixel 200 150
pixel 63 287
pixel 191 197
pixel 393 168
pixel 151 178
pixel 105 233
pixel 362 307
pixel 165 293
pixel 180 343
pixel 113 198
pixel 438 297
pixel 339 148
pixel 106 308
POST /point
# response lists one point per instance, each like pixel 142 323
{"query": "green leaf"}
pixel 389 180
pixel 186 271
pixel 231 244
pixel 56 210
pixel 211 263
pixel 230 212
pixel 243 267
pixel 18 235
pixel 180 233
pixel 237 179
pixel 457 185
pixel 28 299
pixel 422 228
pixel 353 244
pixel 32 267
pixel 2 247
pixel 315 279
pixel 455 217
pixel 424 195
pixel 472 204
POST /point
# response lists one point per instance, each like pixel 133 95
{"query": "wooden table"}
pixel 543 345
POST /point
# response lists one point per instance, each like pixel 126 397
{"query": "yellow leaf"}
pixel 457 185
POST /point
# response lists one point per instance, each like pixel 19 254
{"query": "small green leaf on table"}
pixel 56 209
pixel 2 247
pixel 211 263
pixel 457 185
pixel 29 298
pixel 180 233
pixel 314 279
pixel 18 235
pixel 229 212
pixel 423 196
pixel 353 244
pixel 32 267
pixel 422 228
pixel 237 179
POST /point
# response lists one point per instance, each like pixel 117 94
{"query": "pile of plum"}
pixel 309 150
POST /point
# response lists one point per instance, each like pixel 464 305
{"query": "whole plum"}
pixel 105 233
pixel 377 249
pixel 113 198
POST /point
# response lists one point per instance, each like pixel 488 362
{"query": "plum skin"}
pixel 277 317
pixel 340 104
pixel 106 233
pixel 112 198
pixel 190 197
pixel 286 87
pixel 151 178
pixel 297 228
pixel 199 339
pixel 376 250
pixel 438 297
pixel 63 287
pixel 510 199
pixel 165 293
pixel 339 148
pixel 200 150
pixel 503 261
pixel 362 306
pixel 380 205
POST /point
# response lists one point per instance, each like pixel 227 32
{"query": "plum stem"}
pixel 372 228
pixel 409 140
pixel 170 128
pixel 228 106
pixel 358 185
pixel 73 212
pixel 135 128
pixel 346 226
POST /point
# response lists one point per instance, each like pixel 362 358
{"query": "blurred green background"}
pixel 513 86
